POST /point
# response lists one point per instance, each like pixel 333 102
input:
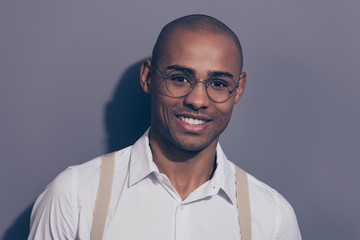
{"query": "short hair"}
pixel 194 23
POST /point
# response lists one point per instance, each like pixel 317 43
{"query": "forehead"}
pixel 201 51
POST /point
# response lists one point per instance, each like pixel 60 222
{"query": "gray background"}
pixel 69 92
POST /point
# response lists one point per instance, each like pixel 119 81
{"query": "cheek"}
pixel 227 107
pixel 225 113
pixel 161 108
pixel 156 109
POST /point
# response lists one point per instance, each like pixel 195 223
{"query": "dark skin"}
pixel 185 152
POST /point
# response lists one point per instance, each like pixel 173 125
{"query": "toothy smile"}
pixel 192 121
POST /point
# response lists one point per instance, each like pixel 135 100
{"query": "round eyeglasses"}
pixel 180 83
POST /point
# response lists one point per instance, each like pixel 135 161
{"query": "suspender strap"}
pixel 243 202
pixel 103 196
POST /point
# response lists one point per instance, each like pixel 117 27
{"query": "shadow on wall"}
pixel 127 115
pixel 126 118
pixel 19 230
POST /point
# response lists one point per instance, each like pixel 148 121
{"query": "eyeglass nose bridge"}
pixel 199 80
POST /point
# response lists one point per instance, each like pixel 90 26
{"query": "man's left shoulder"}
pixel 269 209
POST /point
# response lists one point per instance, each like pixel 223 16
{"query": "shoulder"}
pixel 83 179
pixel 269 209
pixel 272 216
pixel 56 211
pixel 54 215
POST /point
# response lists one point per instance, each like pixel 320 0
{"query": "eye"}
pixel 179 79
pixel 218 83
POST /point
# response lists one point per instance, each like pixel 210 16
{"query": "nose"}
pixel 197 99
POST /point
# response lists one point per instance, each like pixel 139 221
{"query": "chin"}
pixel 192 145
pixel 191 148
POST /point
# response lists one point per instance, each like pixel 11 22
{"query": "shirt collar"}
pixel 225 174
pixel 141 161
pixel 142 164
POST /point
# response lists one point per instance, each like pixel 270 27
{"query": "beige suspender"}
pixel 104 194
pixel 243 203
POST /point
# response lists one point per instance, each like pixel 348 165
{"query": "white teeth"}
pixel 191 121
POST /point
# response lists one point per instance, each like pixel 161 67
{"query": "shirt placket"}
pixel 182 208
pixel 181 222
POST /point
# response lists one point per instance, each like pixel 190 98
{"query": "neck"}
pixel 186 170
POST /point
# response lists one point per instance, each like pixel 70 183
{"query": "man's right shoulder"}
pixel 83 179
pixel 55 212
pixel 90 169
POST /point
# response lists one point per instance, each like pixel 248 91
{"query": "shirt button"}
pixel 181 206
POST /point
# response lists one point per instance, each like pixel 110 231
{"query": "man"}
pixel 175 182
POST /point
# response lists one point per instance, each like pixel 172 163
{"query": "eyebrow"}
pixel 221 74
pixel 191 71
pixel 181 69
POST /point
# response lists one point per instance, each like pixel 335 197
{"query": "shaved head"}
pixel 194 23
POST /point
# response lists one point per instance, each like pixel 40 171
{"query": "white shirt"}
pixel 144 204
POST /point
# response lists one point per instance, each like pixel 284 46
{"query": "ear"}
pixel 146 76
pixel 240 89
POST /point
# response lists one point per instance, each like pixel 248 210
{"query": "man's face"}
pixel 193 122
